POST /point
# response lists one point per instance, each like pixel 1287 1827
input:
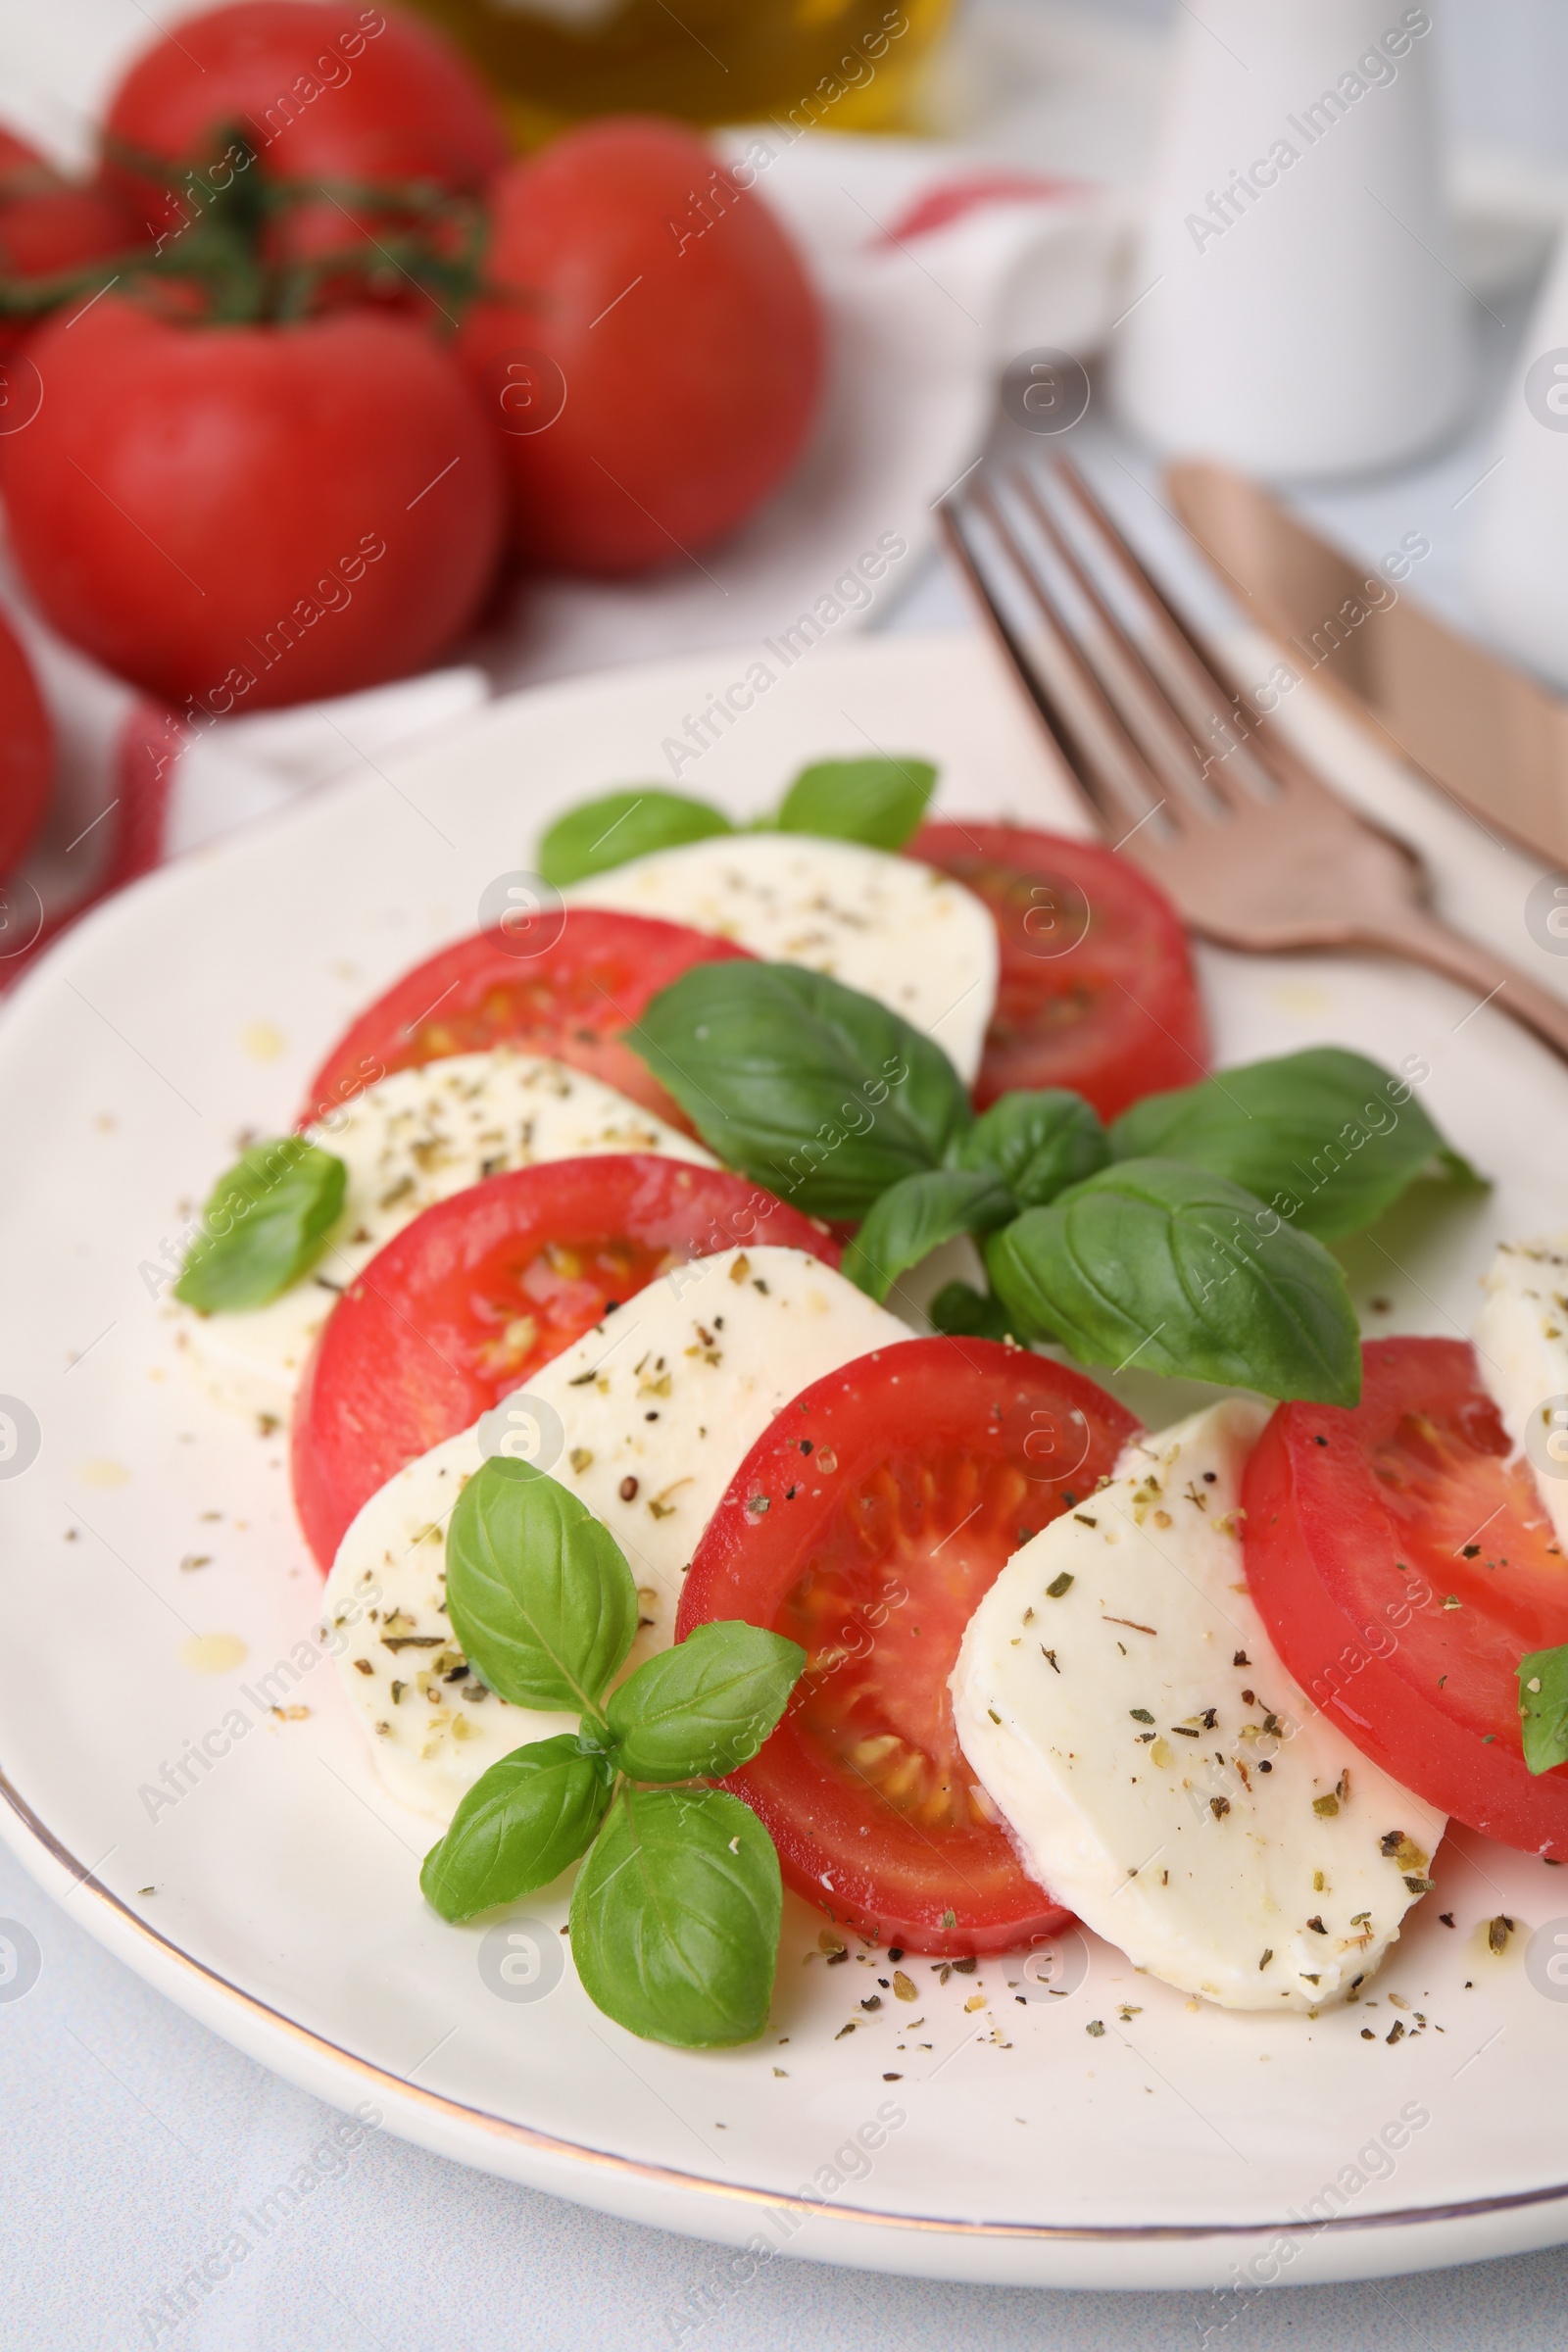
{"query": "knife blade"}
pixel 1486 732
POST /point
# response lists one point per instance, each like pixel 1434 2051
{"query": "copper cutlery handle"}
pixel 1421 939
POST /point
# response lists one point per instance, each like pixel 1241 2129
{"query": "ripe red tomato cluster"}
pixel 282 384
pixel 48 226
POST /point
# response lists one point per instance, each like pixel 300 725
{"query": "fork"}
pixel 1179 768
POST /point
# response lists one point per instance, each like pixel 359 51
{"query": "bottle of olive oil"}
pixel 842 65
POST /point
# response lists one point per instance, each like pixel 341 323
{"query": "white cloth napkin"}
pixel 935 267
pixel 934 270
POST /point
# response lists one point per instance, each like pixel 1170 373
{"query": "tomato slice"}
pixel 866 1524
pixel 1405 1565
pixel 1097 990
pixel 476 1294
pixel 576 996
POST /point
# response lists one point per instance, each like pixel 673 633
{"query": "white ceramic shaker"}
pixel 1519 555
pixel 1293 308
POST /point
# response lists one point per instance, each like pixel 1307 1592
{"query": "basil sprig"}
pixel 521 1824
pixel 963 1312
pixel 264 1224
pixel 1159 1264
pixel 824 1094
pixel 702 1709
pixel 1020 1153
pixel 675 1915
pixel 600 835
pixel 916 1216
pixel 1187 1239
pixel 538 1589
pixel 1037 1144
pixel 1326 1137
pixel 879 802
pixel 1544 1708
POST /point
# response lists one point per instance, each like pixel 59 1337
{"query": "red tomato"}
pixel 50 229
pixel 317 92
pixel 655 358
pixel 24 168
pixel 866 1524
pixel 1095 990
pixel 575 999
pixel 54 229
pixel 27 751
pixel 1364 1528
pixel 242 516
pixel 481 1289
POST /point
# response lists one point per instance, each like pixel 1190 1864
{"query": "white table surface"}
pixel 131 2136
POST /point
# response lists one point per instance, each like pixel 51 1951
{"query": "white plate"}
pixel 1175 2148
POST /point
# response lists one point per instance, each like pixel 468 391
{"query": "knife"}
pixel 1484 731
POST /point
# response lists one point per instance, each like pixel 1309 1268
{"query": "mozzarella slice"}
pixel 1123 1706
pixel 435 1725
pixel 647 1419
pixel 417 1137
pixel 1521 1337
pixel 889 926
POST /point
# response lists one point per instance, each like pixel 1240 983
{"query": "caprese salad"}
pixel 667 1539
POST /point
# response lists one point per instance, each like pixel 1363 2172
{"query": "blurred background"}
pixel 1504 64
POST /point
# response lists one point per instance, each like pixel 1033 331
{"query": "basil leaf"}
pixel 538 1591
pixel 965 1313
pixel 622 825
pixel 1327 1136
pixel 264 1224
pixel 879 802
pixel 1038 1144
pixel 519 1827
pixel 1181 1272
pixel 699 1710
pixel 676 1917
pixel 804 1085
pixel 915 1216
pixel 1544 1708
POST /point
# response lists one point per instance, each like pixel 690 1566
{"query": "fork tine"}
pixel 1130 683
pixel 1031 652
pixel 1190 676
pixel 1107 764
pixel 1014 654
